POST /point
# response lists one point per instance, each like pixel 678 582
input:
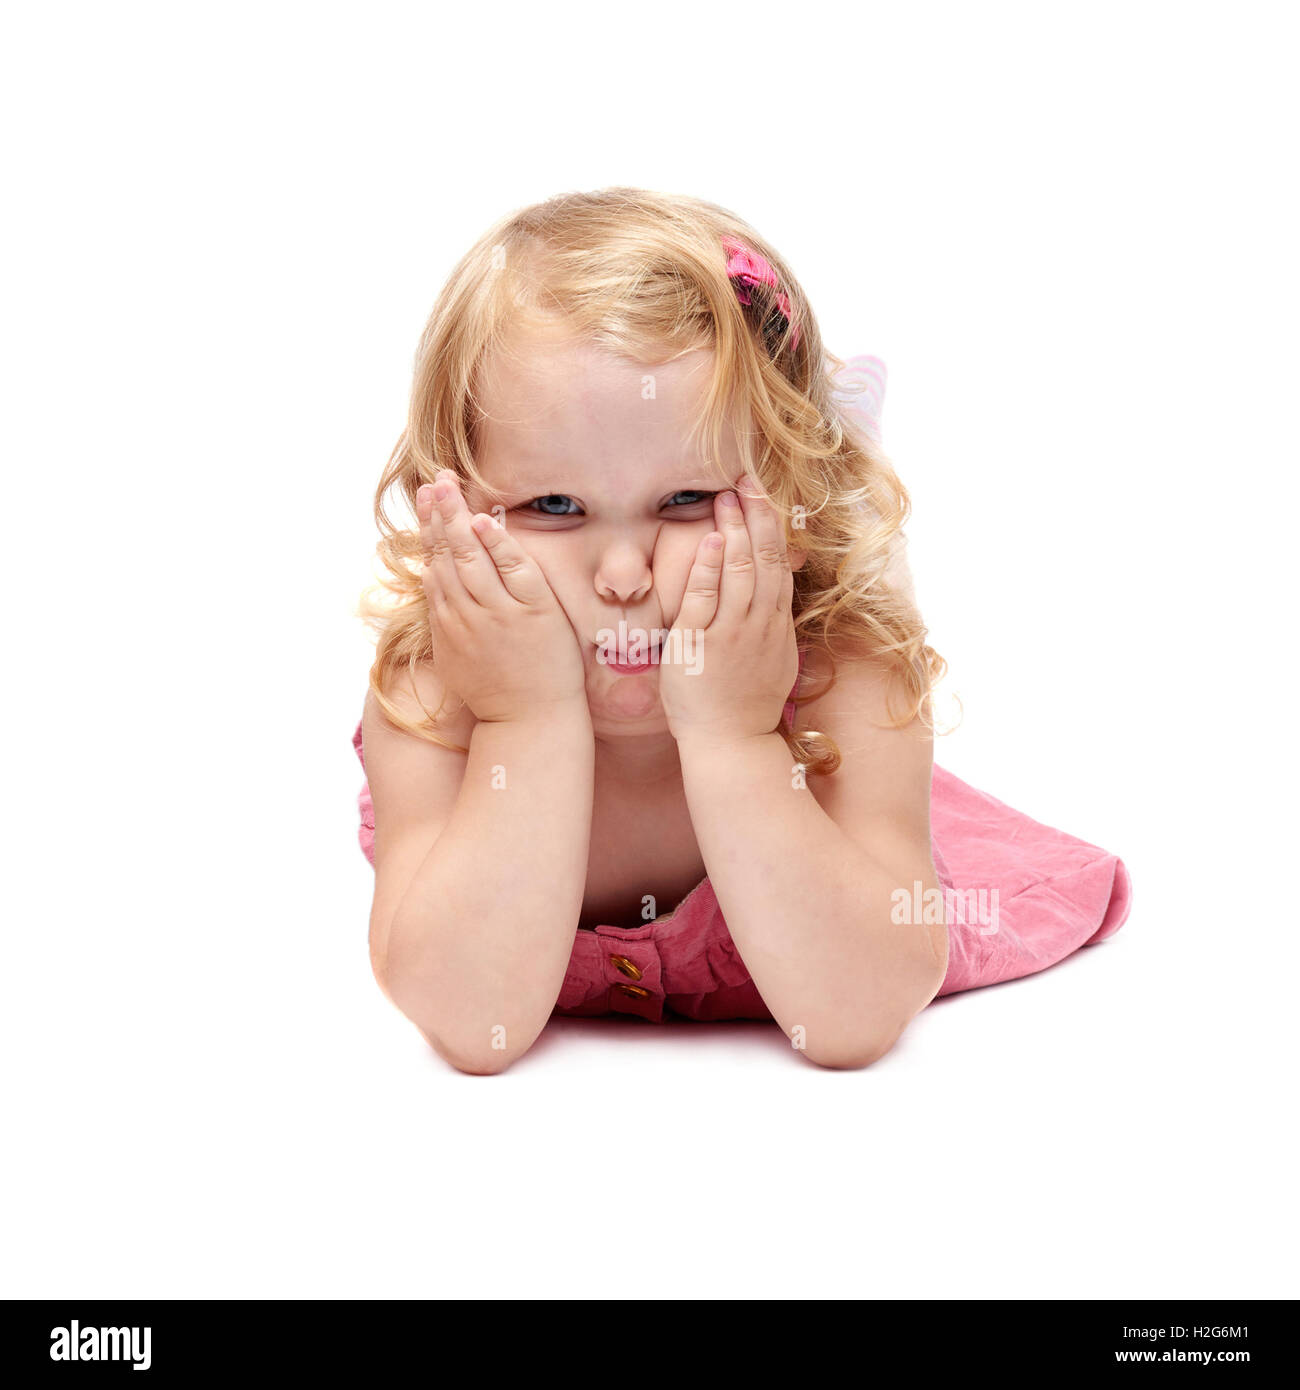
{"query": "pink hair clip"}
pixel 748 270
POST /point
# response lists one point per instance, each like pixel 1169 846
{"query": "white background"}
pixel 1071 233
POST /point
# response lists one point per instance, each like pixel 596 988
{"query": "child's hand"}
pixel 501 640
pixel 737 601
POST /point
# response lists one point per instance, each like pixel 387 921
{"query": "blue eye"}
pixel 550 497
pixel 542 506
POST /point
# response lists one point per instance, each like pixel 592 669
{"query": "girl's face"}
pixel 587 451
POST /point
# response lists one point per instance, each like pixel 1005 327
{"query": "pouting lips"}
pixel 649 652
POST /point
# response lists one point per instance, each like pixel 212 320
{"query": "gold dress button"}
pixel 635 990
pixel 631 970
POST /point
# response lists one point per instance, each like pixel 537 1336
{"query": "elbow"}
pixel 486 1054
pixel 467 1022
pixel 863 1038
pixel 856 1039
pixel 471 1063
pixel 852 1053
pixel 473 1057
pixel 469 1058
pixel 379 969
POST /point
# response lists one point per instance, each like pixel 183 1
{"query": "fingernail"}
pixel 728 499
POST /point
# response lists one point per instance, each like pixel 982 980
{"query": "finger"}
pixel 518 572
pixel 786 596
pixel 700 601
pixel 424 520
pixel 768 540
pixel 737 559
pixel 438 552
pixel 435 599
pixel 430 539
pixel 473 566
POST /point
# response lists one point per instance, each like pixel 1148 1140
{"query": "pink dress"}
pixel 1020 895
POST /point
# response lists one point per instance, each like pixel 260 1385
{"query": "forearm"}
pixel 479 944
pixel 808 907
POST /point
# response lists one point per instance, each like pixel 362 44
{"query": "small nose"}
pixel 624 573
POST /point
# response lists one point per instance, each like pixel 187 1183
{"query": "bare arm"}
pixel 808 885
pixel 484 876
pixel 809 905
pixel 479 942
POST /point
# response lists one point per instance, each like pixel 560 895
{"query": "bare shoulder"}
pixel 419 695
pixel 413 783
pixel 881 791
pixel 413 779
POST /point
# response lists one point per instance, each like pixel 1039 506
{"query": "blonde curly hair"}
pixel 644 275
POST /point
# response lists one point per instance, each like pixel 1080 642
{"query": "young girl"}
pixel 649 725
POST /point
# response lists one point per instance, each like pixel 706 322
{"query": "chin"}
pixel 626 699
